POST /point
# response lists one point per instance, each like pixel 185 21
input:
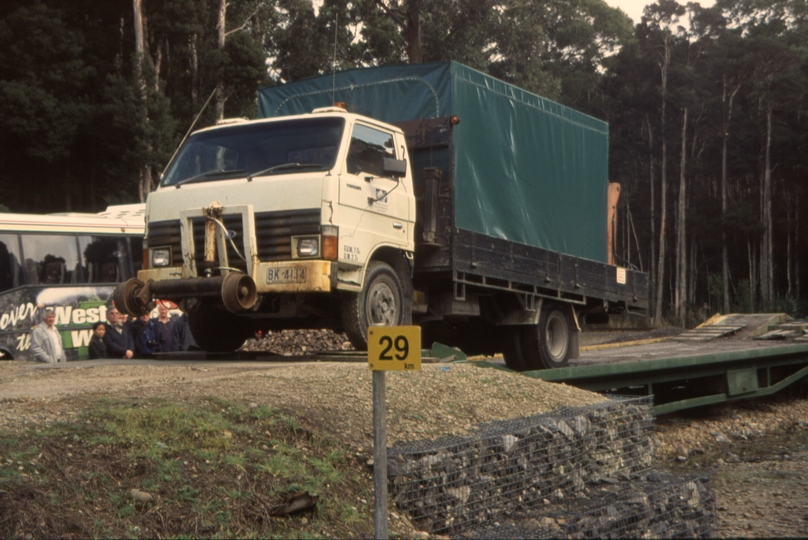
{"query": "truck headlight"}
pixel 308 247
pixel 161 257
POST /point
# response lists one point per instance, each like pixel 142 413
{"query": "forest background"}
pixel 705 105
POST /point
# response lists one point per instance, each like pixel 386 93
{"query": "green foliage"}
pixel 729 65
pixel 794 307
pixel 459 30
pixel 216 464
pixel 715 285
pixel 42 78
pixel 744 298
pixel 304 45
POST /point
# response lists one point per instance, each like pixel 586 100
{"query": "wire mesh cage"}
pixel 457 484
pixel 654 506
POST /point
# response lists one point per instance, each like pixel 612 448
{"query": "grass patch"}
pixel 212 469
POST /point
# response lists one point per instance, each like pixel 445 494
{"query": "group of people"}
pixel 118 337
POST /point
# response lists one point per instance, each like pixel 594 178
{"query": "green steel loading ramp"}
pixel 683 374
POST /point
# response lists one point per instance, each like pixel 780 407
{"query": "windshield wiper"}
pixel 285 167
pixel 208 174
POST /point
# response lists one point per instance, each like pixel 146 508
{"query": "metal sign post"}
pixel 389 348
pixel 379 456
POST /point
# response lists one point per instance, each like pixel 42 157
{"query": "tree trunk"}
pixel 220 30
pixel 140 38
pixel 661 260
pixel 797 290
pixel 789 243
pixel 144 172
pixel 680 293
pixel 68 199
pixel 194 68
pixel 413 32
pixel 158 62
pixel 753 279
pixel 766 289
pixel 693 273
pixel 636 240
pixel 652 260
pixel 663 66
pixel 724 248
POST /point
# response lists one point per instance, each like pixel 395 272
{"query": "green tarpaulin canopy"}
pixel 526 169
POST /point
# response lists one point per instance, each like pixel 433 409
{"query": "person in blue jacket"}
pixel 152 337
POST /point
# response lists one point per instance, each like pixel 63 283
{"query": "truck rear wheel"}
pixel 217 330
pixel 548 345
pixel 512 347
pixel 380 303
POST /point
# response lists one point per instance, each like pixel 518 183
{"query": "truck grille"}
pixel 273 229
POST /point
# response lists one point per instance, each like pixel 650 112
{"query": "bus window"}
pixel 105 260
pixel 9 261
pixel 136 255
pixel 69 261
pixel 50 260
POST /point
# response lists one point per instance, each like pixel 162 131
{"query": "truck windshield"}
pixel 257 149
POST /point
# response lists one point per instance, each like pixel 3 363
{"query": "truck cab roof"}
pixel 333 111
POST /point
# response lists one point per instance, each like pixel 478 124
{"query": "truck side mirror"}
pixel 394 167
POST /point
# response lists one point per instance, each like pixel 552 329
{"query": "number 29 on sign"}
pixel 394 348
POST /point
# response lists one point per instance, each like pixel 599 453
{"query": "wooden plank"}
pixel 707 333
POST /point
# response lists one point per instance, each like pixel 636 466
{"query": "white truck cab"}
pixel 294 220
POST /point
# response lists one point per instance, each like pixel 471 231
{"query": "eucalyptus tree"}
pixel 774 32
pixel 724 52
pixel 659 31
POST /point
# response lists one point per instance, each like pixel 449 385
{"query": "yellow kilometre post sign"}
pixel 389 348
pixel 393 348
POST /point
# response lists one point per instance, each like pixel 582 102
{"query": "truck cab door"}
pixel 377 202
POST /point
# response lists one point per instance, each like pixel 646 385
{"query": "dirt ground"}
pixel 757 451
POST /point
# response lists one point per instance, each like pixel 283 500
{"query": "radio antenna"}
pixel 190 129
pixel 334 63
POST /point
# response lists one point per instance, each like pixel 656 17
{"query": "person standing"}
pixel 151 337
pixel 183 340
pixel 117 338
pixel 46 342
pixel 97 348
pixel 146 343
pixel 167 329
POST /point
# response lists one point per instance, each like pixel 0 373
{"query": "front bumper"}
pixel 270 277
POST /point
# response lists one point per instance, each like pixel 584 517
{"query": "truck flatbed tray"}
pixel 496 263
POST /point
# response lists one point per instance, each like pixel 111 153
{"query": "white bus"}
pixel 70 262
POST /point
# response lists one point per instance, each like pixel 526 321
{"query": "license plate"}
pixel 286 274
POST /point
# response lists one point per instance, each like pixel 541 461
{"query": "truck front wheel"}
pixel 548 345
pixel 380 303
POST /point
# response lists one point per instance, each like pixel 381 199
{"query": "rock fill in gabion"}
pixel 456 484
pixel 654 506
